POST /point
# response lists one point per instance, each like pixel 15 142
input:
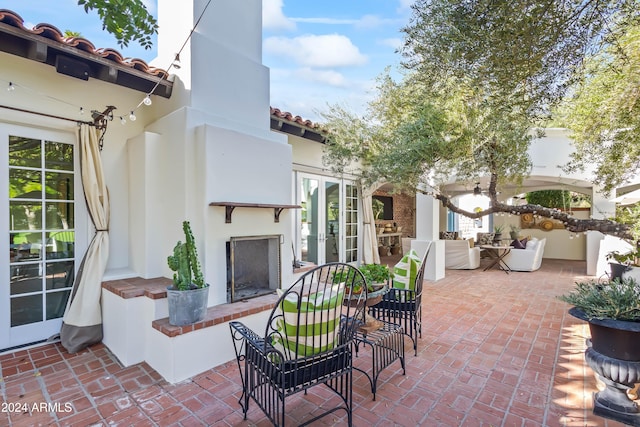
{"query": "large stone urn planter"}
pixel 614 354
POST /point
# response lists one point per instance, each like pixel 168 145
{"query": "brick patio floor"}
pixel 496 350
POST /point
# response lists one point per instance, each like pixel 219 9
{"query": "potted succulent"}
pixel 189 294
pixel 514 231
pixel 497 237
pixel 612 310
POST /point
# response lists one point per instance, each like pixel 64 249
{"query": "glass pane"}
pixel 58 156
pixel 26 310
pixel 25 246
pixel 60 244
pixel 332 220
pixel 25 278
pixel 59 275
pixel 59 186
pixel 309 226
pixel 56 303
pixel 25 215
pixel 25 184
pixel 59 215
pixel 25 152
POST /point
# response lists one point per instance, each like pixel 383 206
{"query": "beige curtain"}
pixel 370 240
pixel 82 322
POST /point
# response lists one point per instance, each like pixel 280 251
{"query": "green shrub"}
pixel 373 273
pixel 617 300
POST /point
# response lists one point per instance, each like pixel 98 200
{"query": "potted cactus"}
pixel 189 294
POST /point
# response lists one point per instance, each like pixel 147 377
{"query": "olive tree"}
pixel 128 20
pixel 480 76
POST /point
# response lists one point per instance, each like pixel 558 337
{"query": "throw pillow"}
pixel 531 244
pixel 471 242
pixel 315 323
pixel 448 235
pixel 406 270
pixel 485 238
pixel 517 244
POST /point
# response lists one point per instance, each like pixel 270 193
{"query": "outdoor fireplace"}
pixel 253 266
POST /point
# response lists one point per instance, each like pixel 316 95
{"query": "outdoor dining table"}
pixel 497 254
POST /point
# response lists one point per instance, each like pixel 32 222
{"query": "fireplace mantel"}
pixel 230 206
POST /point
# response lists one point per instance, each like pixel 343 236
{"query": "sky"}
pixel 320 53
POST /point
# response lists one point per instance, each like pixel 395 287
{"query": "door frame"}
pixel 35 332
pixel 322 215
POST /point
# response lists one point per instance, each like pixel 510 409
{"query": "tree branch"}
pixel 571 223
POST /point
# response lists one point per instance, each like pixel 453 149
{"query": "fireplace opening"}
pixel 253 266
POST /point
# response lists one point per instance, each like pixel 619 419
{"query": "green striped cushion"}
pixel 406 270
pixel 317 323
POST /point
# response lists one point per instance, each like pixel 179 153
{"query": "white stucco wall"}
pixel 40 88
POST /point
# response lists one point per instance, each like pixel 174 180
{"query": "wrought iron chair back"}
pixel 404 306
pixel 307 341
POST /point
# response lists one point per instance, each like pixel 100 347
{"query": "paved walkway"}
pixel 496 350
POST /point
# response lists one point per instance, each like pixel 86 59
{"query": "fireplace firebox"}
pixel 253 266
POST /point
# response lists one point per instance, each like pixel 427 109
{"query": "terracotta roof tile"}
pixel 52 33
pixel 295 119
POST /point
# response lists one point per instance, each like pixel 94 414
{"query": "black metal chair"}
pixel 307 341
pixel 404 306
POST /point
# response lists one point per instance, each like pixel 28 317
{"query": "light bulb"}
pixel 11 87
pixel 132 117
pixel 81 111
pixel 147 100
pixel 122 120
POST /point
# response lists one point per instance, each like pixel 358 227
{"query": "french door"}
pixel 327 226
pixel 39 183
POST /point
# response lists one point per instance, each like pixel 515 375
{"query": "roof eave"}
pixel 16 41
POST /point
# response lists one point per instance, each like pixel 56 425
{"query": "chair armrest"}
pixel 240 331
pixel 243 336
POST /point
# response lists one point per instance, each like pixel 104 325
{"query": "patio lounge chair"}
pixel 308 341
pixel 403 306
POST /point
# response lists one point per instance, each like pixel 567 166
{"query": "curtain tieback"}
pixel 101 229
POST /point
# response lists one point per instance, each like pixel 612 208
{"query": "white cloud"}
pixel 394 42
pixel 329 77
pixel 326 21
pixel 273 18
pixel 370 21
pixel 319 51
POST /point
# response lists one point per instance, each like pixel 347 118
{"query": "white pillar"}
pixel 427 228
pixel 601 208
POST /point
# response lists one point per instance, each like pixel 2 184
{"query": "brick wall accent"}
pixel 404 211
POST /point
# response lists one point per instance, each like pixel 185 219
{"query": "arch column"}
pixel 427 230
pixel 601 208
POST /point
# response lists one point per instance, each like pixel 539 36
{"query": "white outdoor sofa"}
pixel 458 255
pixel 528 259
